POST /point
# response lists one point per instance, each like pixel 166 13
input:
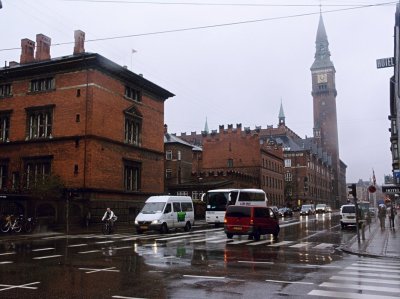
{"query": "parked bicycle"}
pixel 28 224
pixel 12 224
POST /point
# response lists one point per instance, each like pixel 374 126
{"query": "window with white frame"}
pixel 133 126
pixel 168 155
pixel 288 177
pixel 36 171
pixel 288 163
pixel 168 173
pixel 43 84
pixel 182 193
pixel 40 122
pixel 133 93
pixel 179 155
pixel 5 90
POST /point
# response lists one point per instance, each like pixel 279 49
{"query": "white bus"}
pixel 217 201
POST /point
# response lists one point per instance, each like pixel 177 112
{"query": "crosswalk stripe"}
pixel 259 242
pixel 374 262
pixel 365 280
pixel 323 246
pixel 301 245
pixel 374 274
pixel 377 266
pixel 372 269
pixel 77 245
pixel 204 240
pixel 281 243
pixel 239 242
pixel 344 295
pixel 360 287
pixel 221 241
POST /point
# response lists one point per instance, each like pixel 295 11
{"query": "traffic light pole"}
pixel 357 220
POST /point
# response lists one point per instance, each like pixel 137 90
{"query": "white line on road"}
pixel 281 243
pixel 204 277
pixel 239 242
pixel 104 242
pixel 365 280
pixel 372 269
pixel 123 297
pixel 343 295
pixel 22 286
pixel 260 242
pixel 254 262
pixel 294 282
pixel 90 270
pixel 377 266
pixel 301 245
pixel 8 253
pixel 323 246
pixel 46 257
pixel 6 262
pixel 378 275
pixel 90 251
pixel 77 245
pixel 359 287
pixel 43 249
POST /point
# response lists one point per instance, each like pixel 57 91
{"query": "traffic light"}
pixel 352 190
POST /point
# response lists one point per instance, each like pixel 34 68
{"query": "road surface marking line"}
pixel 323 246
pixel 378 263
pixel 204 240
pixel 6 262
pixel 294 282
pixel 123 297
pixel 77 245
pixel 239 242
pixel 378 275
pixel 22 286
pixel 343 295
pixel 123 247
pixel 46 257
pixel 377 266
pixel 90 251
pixel 259 242
pixel 8 253
pixel 254 262
pixel 178 237
pixel 43 249
pixel 204 277
pixel 301 245
pixel 360 287
pixel 372 269
pixel 90 270
pixel 281 243
pixel 221 241
pixel 104 242
pixel 366 280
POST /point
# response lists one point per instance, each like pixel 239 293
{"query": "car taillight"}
pixel 225 221
pixel 251 221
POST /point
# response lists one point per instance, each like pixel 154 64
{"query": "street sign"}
pixel 385 62
pixel 390 189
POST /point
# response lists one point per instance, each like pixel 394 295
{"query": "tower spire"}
pixel 322 53
pixel 281 116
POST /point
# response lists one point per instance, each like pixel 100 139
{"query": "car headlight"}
pixel 155 222
pixel 136 222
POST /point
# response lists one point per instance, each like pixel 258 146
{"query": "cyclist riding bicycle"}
pixel 109 216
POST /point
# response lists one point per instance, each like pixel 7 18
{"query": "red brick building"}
pixel 93 125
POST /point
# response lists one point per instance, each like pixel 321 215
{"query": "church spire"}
pixel 281 115
pixel 206 127
pixel 322 53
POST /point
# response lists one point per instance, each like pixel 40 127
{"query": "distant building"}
pixel 91 128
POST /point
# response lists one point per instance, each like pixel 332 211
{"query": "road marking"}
pixel 178 237
pixel 123 247
pixel 123 297
pixel 323 246
pixel 239 242
pixel 372 269
pixel 91 270
pixel 343 295
pixel 260 242
pixel 357 279
pixel 6 262
pixel 90 251
pixel 46 257
pixel 77 245
pixel 254 262
pixel 8 253
pixel 43 249
pixel 22 286
pixel 378 275
pixel 372 262
pixel 360 287
pixel 204 240
pixel 294 282
pixel 376 266
pixel 221 241
pixel 104 242
pixel 281 243
pixel 204 277
pixel 301 245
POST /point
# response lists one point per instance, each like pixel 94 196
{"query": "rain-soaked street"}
pixel 305 261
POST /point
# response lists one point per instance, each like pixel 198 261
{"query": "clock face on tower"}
pixel 322 78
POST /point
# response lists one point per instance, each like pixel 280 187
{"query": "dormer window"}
pixel 133 93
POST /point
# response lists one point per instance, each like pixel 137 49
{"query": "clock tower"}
pixel 324 103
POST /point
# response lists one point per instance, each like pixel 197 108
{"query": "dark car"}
pixel 250 220
pixel 307 210
pixel 285 212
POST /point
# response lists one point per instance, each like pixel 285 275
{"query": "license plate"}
pixel 237 228
pixel 351 217
pixel 143 227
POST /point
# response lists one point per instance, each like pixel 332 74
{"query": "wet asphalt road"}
pixel 305 261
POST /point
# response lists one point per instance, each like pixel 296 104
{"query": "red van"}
pixel 250 220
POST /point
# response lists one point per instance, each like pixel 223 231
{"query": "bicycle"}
pixel 107 228
pixel 12 224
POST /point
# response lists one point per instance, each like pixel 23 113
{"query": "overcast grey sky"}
pixel 237 73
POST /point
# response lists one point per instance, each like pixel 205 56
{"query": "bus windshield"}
pixel 217 201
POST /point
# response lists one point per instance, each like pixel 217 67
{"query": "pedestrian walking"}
pixel 382 215
pixel 391 214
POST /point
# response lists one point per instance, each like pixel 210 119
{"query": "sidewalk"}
pixel 377 242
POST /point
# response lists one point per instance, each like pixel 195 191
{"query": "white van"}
pixel 163 212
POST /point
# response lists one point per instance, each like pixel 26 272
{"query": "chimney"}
pixel 27 51
pixel 79 47
pixel 42 47
pixel 165 128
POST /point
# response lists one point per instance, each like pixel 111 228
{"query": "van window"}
pixel 186 207
pixel 349 209
pixel 177 206
pixel 261 213
pixel 153 207
pixel 238 211
pixel 167 209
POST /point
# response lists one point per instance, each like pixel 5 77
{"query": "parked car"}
pixel 253 221
pixel 328 209
pixel 285 212
pixel 320 208
pixel 274 209
pixel 307 210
